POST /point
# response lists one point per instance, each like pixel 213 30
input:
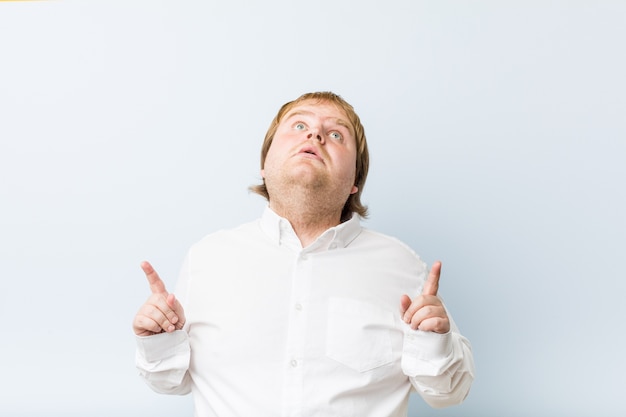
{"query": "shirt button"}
pixel 293 363
pixel 298 306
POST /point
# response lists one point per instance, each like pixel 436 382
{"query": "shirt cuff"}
pixel 162 346
pixel 423 353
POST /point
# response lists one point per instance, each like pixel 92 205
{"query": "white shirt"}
pixel 274 329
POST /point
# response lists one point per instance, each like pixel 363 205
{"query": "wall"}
pixel 128 130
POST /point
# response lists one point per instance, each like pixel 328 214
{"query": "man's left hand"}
pixel 426 311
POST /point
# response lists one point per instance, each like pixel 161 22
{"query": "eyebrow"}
pixel 337 120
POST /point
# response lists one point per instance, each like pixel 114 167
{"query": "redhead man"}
pixel 304 312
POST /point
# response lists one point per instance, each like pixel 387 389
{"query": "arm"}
pixel 439 366
pixel 436 357
pixel 163 350
pixel 163 362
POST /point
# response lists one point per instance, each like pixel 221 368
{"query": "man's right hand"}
pixel 161 312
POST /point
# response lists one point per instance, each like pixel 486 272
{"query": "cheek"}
pixel 270 161
pixel 350 166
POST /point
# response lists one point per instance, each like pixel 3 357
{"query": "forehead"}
pixel 324 110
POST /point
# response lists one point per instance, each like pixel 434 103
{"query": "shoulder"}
pixel 246 232
pixel 387 246
pixel 374 238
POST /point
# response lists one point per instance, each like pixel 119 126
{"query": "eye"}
pixel 300 126
pixel 336 135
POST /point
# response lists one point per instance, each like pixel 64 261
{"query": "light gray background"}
pixel 497 130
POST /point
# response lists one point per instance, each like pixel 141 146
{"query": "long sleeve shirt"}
pixel 274 329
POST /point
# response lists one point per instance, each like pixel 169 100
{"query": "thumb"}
pixel 177 308
pixel 172 302
pixel 431 286
pixel 405 303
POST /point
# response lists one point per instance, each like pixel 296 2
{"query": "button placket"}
pixel 294 371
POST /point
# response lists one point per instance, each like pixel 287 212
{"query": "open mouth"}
pixel 309 151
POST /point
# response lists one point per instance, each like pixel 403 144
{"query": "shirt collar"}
pixel 280 231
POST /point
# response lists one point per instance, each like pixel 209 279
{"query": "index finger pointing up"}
pixel 431 286
pixel 156 284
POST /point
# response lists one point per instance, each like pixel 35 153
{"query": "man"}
pixel 296 314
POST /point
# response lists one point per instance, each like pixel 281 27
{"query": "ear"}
pixel 262 173
pixel 354 189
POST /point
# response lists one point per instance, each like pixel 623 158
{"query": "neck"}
pixel 310 216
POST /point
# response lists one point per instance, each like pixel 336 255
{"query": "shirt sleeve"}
pixel 439 366
pixel 163 359
pixel 163 362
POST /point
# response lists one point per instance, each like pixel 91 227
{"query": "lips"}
pixel 310 151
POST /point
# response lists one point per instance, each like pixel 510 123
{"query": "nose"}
pixel 315 136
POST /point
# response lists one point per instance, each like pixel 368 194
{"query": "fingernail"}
pixel 171 329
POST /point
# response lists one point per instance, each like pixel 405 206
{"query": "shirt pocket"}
pixel 358 334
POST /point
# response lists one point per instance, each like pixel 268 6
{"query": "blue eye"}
pixel 300 126
pixel 336 135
